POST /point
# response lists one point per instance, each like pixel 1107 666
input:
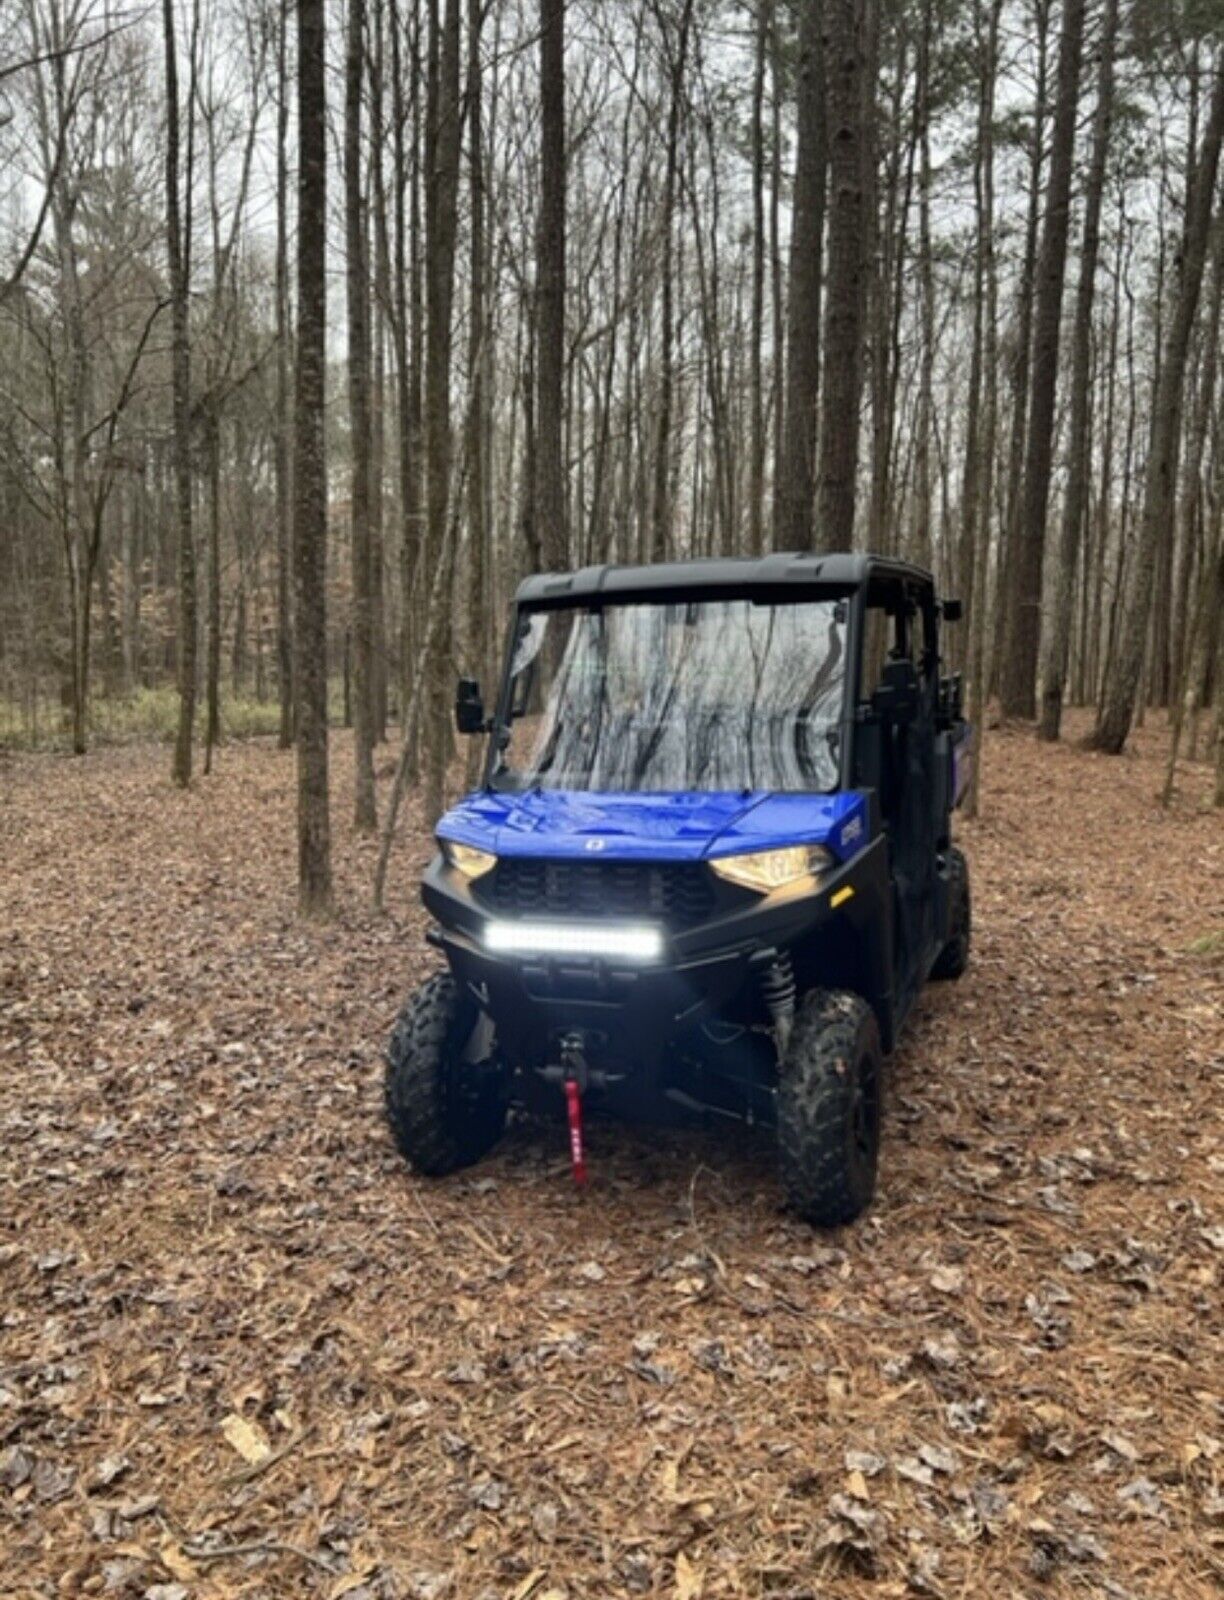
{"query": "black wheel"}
pixel 830 1091
pixel 954 957
pixel 445 1113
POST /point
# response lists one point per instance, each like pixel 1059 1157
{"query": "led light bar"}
pixel 638 943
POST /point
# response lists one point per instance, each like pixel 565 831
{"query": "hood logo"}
pixel 593 844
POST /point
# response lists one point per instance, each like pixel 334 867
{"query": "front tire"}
pixel 444 1113
pixel 830 1094
pixel 954 957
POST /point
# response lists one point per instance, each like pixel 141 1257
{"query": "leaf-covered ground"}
pixel 243 1351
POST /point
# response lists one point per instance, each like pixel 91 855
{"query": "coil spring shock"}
pixel 778 993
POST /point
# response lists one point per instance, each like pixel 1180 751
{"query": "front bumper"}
pixel 635 1008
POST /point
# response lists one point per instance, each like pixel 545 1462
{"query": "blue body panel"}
pixel 564 824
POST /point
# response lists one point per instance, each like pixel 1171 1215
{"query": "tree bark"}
pixel 212 669
pixel 920 543
pixel 795 494
pixel 550 495
pixel 1118 706
pixel 756 465
pixel 977 599
pixel 1022 604
pixel 310 471
pixel 442 150
pixel 281 448
pixel 1056 632
pixel 1023 344
pixel 180 365
pixel 661 498
pixel 478 421
pixel 846 30
pixel 357 283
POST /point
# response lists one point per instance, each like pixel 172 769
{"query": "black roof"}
pixel 840 572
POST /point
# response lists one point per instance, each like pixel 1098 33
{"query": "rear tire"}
pixel 443 1115
pixel 954 957
pixel 830 1094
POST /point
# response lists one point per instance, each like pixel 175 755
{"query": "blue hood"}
pixel 561 824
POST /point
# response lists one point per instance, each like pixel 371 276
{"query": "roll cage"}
pixel 862 580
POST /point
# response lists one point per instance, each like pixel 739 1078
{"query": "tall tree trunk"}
pixel 442 153
pixel 661 497
pixel 848 26
pixel 405 298
pixel 1022 357
pixel 977 599
pixel 310 470
pixel 777 308
pixel 1022 605
pixel 478 421
pixel 281 459
pixel 887 284
pixel 795 491
pixel 1118 706
pixel 212 670
pixel 971 474
pixel 756 465
pixel 379 311
pixel 180 368
pixel 1056 632
pixel 357 281
pixel 550 497
pixel 1198 644
pixel 920 544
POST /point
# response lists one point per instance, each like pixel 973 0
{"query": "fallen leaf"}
pixel 690 1584
pixel 247 1437
pixel 176 1563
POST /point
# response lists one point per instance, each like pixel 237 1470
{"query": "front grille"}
pixel 676 894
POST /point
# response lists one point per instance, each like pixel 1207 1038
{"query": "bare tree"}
pixel 550 494
pixel 357 282
pixel 1056 630
pixel 442 151
pixel 976 595
pixel 676 52
pixel 1122 688
pixel 764 23
pixel 310 470
pixel 283 335
pixel 796 487
pixel 1022 603
pixel 181 400
pixel 847 35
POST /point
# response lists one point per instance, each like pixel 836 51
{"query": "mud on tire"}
pixel 829 1104
pixel 954 957
pixel 439 1123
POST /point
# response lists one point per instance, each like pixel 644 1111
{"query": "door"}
pixel 900 685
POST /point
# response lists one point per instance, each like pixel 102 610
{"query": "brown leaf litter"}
pixel 245 1352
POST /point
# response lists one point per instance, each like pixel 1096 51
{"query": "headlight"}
pixel 466 858
pixel 764 870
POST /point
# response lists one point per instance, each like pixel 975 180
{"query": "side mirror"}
pixel 952 610
pixel 469 707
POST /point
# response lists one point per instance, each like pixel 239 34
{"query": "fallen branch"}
pixel 258 1547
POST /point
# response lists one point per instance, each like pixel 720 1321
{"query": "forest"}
pixel 323 325
pixel 320 330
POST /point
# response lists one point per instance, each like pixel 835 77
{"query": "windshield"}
pixel 701 695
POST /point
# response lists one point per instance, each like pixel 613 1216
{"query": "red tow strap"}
pixel 573 1106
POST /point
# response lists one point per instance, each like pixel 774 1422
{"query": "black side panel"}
pixel 852 948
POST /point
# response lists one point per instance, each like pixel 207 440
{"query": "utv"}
pixel 709 869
